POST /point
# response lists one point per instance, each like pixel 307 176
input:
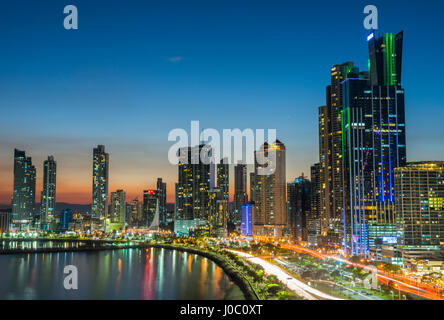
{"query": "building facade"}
pixel 23 199
pixel 420 210
pixel 194 182
pixel 118 207
pixel 100 181
pixel 48 196
pixel 270 192
pixel 373 144
pixel 299 208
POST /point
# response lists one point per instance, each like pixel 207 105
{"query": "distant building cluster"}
pixel 363 198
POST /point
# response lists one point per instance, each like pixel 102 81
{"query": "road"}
pixel 297 286
pixel 398 282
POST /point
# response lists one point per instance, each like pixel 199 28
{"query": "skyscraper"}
pixel 149 206
pixel 218 213
pixel 99 207
pixel 299 208
pixel 23 199
pixel 135 216
pixel 240 191
pixel 223 179
pixel 339 73
pixel 373 123
pixel 118 207
pixel 192 188
pixel 162 194
pixel 270 208
pixel 323 172
pixel 48 197
pixel 420 210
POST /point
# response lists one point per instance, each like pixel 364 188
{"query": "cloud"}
pixel 174 59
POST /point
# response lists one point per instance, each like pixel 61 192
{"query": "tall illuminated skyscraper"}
pixel 48 197
pixel 270 196
pixel 23 199
pixel 99 207
pixel 339 73
pixel 374 144
pixel 162 194
pixel 192 188
pixel 118 206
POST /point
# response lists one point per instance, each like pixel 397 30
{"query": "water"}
pixel 115 274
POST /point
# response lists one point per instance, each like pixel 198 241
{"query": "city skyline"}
pixel 74 96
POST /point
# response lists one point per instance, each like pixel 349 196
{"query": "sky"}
pixel 134 70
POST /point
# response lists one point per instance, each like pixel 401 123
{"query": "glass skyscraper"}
pixel 373 144
pixel 48 197
pixel 23 199
pixel 420 209
pixel 99 207
pixel 192 188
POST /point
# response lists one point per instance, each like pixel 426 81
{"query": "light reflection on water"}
pixel 114 274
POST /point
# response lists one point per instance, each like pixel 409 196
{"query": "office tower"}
pixel 48 197
pixel 99 207
pixel 23 199
pixel 192 188
pixel 223 179
pixel 324 171
pixel 5 219
pixel 247 219
pixel 240 190
pixel 339 73
pixel 149 206
pixel 389 141
pixel 358 168
pixel 218 213
pixel 270 209
pixel 420 210
pixel 373 146
pixel 162 194
pixel 118 207
pixel 135 217
pixel 66 216
pixel 299 208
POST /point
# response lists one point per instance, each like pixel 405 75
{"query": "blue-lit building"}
pixel 65 219
pixel 374 144
pixel 246 219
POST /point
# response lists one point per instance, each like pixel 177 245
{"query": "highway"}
pixel 300 288
pixel 398 282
